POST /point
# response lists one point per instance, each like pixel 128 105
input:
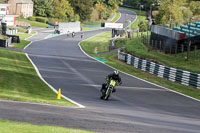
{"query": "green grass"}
pixel 33 23
pixel 19 127
pixel 24 35
pixel 176 61
pixel 21 29
pixel 117 16
pixel 23 43
pixel 100 43
pixel 19 81
pixel 87 29
pixel 120 42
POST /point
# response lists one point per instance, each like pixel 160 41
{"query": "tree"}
pixel 134 3
pixel 101 8
pixel 3 1
pixel 114 4
pixel 83 8
pixel 43 8
pixel 195 7
pixel 62 9
pixel 169 10
pixel 187 13
pixel 143 26
pixel 107 7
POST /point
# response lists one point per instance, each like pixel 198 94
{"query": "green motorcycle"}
pixel 109 88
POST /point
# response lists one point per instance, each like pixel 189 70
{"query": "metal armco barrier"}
pixel 172 74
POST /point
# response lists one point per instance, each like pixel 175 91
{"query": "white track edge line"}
pixel 118 18
pixel 38 73
pixel 31 41
pixel 134 76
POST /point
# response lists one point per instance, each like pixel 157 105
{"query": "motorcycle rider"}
pixel 73 34
pixel 82 34
pixel 115 76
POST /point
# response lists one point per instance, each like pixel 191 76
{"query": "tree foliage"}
pixel 106 7
pixel 43 8
pixel 147 3
pixel 3 1
pixel 62 9
pixel 195 7
pixel 73 10
pixel 170 10
pixel 83 8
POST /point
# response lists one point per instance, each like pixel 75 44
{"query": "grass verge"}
pixel 22 35
pixel 98 44
pixel 33 23
pixel 20 82
pixel 22 44
pixel 19 127
pixel 117 16
pixel 176 61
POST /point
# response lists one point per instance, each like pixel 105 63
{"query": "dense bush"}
pixel 120 42
pixel 32 18
pixel 41 19
pixel 53 20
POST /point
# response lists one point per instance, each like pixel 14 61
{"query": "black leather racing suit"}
pixel 109 77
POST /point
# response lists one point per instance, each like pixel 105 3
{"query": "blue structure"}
pixel 190 30
pixel 175 40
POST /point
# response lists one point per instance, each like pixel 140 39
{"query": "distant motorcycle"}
pixel 82 35
pixel 105 93
pixel 73 34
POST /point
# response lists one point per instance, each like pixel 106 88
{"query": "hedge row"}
pixel 39 19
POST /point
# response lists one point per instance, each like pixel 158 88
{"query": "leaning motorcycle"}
pixel 109 88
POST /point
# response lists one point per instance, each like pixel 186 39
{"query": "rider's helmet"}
pixel 116 72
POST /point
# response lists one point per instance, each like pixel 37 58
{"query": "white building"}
pixel 4 9
pixel 4 17
pixel 21 7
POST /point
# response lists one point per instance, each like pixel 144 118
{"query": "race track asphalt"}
pixel 136 107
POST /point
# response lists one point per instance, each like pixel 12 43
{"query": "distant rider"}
pixel 73 34
pixel 115 76
pixel 82 34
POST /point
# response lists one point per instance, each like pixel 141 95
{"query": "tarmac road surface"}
pixel 136 107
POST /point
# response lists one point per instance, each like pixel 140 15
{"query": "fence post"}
pixel 176 49
pixel 148 45
pixel 160 45
pixel 155 44
pixel 182 48
pixel 170 49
